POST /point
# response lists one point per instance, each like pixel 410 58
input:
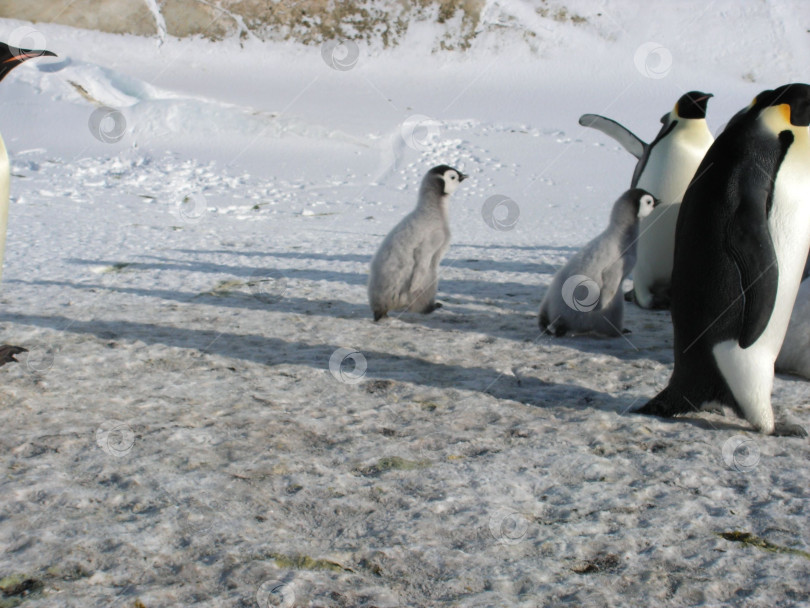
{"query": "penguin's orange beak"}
pixel 24 54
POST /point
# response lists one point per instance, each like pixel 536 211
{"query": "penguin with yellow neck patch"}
pixel 665 167
pixel 10 57
pixel 742 239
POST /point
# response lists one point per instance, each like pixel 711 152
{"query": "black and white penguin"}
pixel 665 167
pixel 742 240
pixel 10 57
pixel 404 271
pixel 585 296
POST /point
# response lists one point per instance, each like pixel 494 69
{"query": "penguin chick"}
pixel 794 357
pixel 404 271
pixel 585 295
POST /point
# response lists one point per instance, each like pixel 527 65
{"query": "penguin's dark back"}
pixel 744 159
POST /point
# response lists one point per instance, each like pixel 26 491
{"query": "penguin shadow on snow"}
pixel 509 300
pixel 464 263
pixel 271 352
pixel 513 314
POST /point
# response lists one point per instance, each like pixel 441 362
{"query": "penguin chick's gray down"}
pixel 585 295
pixel 404 271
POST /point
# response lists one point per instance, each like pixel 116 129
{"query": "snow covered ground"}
pixel 207 414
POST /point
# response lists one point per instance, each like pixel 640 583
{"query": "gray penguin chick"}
pixel 404 271
pixel 585 296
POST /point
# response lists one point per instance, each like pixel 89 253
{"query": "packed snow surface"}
pixel 207 414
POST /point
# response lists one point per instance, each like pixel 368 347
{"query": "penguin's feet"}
pixel 7 353
pixel 431 307
pixel 627 331
pixel 787 429
pixel 379 315
pixel 630 296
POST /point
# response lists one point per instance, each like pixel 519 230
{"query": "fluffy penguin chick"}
pixel 404 271
pixel 585 295
pixel 794 358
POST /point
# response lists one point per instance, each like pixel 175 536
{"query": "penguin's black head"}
pixel 692 105
pixel 443 179
pixel 11 57
pixel 794 97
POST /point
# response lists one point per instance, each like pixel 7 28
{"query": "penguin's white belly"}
pixel 666 175
pixel 749 372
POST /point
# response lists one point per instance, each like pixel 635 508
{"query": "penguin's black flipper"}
pixel 7 353
pixel 751 247
pixel 629 140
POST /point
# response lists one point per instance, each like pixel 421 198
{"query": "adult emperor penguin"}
pixel 665 167
pixel 585 296
pixel 404 271
pixel 10 57
pixel 742 240
pixel 794 357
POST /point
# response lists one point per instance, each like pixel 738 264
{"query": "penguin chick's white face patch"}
pixel 451 181
pixel 646 204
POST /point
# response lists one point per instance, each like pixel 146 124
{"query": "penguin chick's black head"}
pixel 796 96
pixel 444 179
pixel 632 205
pixel 11 57
pixel 693 105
